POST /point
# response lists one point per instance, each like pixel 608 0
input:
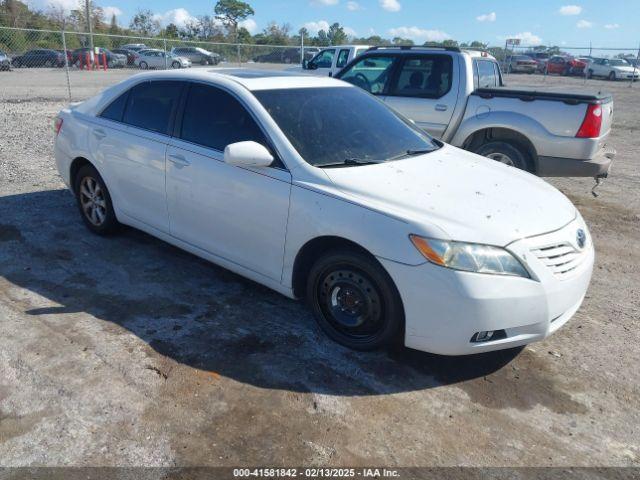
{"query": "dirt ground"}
pixel 126 351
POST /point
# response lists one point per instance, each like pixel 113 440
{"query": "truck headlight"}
pixel 469 257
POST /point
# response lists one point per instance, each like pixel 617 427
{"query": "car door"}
pixel 341 60
pixel 424 88
pixel 323 61
pixel 239 214
pixel 130 142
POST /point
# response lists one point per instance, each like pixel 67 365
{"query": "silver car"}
pixel 197 55
pixel 5 61
pixel 159 59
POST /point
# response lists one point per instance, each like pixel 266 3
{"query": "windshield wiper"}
pixel 347 162
pixel 411 153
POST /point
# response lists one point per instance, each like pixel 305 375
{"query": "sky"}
pixel 604 23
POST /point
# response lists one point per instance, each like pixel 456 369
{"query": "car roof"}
pixel 253 80
pixel 413 49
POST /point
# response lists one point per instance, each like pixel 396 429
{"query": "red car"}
pixel 565 66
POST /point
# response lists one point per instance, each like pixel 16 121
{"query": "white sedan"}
pixel 316 189
pixel 156 59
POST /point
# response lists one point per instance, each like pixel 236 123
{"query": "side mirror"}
pixel 247 154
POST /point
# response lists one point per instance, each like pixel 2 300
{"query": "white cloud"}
pixel 250 24
pixel 390 5
pixel 570 10
pixel 487 17
pixel 611 26
pixel 178 16
pixel 64 5
pixel 526 38
pixel 315 27
pixel 350 31
pixel 323 3
pixel 419 34
pixel 584 24
pixel 353 6
pixel 110 12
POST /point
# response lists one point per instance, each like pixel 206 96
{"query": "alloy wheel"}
pixel 93 202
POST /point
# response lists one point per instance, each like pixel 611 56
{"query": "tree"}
pixel 275 34
pixel 322 39
pixel 143 22
pixel 230 12
pixel 171 31
pixel 336 34
pixel 401 41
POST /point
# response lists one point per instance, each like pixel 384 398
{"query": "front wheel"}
pixel 94 201
pixel 589 73
pixel 175 64
pixel 144 65
pixel 612 76
pixel 508 153
pixel 354 300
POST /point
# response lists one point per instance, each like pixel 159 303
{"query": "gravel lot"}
pixel 127 351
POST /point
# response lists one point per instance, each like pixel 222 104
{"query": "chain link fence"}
pixel 68 56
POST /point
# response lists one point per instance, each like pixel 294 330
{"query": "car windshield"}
pixel 618 62
pixel 342 126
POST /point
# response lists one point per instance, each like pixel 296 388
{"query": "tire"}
pixel 48 63
pixel 612 76
pixel 204 61
pixel 509 153
pixel 94 201
pixel 589 73
pixel 144 66
pixel 354 300
pixel 175 64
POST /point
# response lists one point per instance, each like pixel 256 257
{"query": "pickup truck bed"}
pixel 557 95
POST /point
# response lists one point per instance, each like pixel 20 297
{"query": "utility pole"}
pixel 87 12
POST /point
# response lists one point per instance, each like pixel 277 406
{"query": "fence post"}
pixel 636 67
pixel 165 53
pixel 238 53
pixel 301 48
pixel 66 61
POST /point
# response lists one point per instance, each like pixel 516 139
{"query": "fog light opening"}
pixel 488 335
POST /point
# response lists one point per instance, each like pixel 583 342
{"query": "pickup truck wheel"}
pixel 94 201
pixel 504 152
pixel 354 300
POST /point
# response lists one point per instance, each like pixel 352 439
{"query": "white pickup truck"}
pixel 330 60
pixel 458 96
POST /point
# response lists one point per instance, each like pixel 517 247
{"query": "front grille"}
pixel 562 258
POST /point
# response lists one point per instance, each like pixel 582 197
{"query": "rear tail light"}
pixel 592 122
pixel 57 125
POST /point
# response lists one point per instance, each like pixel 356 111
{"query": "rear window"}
pixel 151 105
pixel 424 76
pixel 488 76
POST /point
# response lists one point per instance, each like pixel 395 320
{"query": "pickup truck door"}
pixel 340 60
pixel 323 62
pixel 424 88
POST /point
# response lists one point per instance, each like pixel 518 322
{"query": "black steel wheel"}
pixel 354 300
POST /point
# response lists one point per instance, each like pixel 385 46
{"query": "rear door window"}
pixel 343 56
pixel 370 73
pixel 116 108
pixel 151 105
pixel 488 76
pixel 425 76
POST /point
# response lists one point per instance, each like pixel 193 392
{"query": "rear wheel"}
pixel 144 65
pixel 94 201
pixel 509 153
pixel 175 64
pixel 354 300
pixel 612 76
pixel 589 73
pixel 48 63
pixel 204 61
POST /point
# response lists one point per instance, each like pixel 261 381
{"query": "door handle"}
pixel 179 160
pixel 441 108
pixel 99 134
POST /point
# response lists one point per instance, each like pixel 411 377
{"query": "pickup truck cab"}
pixel 459 96
pixel 330 61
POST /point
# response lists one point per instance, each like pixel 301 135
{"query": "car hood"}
pixel 459 195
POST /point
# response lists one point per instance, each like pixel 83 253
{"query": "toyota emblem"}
pixel 581 238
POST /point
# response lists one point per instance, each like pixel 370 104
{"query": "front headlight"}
pixel 469 257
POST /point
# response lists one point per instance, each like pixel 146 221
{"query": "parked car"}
pixel 329 61
pixel 564 65
pixel 541 59
pixel 387 232
pixel 197 55
pixel 114 60
pixel 156 59
pixel 613 69
pixel 458 96
pixel 68 53
pixel 284 55
pixel 521 64
pixel 40 57
pixel 130 54
pixel 5 61
pixel 135 47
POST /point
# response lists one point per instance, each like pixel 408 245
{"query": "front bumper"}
pixel 445 308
